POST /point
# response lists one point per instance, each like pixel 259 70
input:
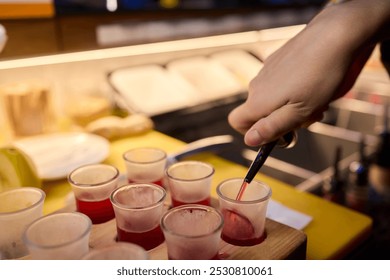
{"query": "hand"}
pixel 299 80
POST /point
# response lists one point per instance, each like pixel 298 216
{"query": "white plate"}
pixel 212 79
pixel 242 64
pixel 152 90
pixel 56 155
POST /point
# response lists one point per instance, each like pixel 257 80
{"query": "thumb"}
pixel 274 126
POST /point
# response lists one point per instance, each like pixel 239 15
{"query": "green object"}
pixel 16 170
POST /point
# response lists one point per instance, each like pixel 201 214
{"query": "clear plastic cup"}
pixel 145 165
pixel 190 182
pixel 60 236
pixel 192 232
pixel 18 208
pixel 118 251
pixel 244 219
pixel 138 210
pixel 92 186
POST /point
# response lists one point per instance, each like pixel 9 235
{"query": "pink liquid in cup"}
pixel 92 185
pixel 148 239
pixel 138 209
pixel 238 230
pixel 190 182
pixel 98 211
pixel 192 232
pixel 243 207
pixel 145 165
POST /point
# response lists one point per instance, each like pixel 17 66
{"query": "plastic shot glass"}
pixel 118 251
pixel 190 182
pixel 145 165
pixel 18 208
pixel 192 232
pixel 60 236
pixel 138 209
pixel 92 186
pixel 244 219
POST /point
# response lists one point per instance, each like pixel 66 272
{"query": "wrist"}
pixel 355 23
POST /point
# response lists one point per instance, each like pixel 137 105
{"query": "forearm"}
pixel 347 33
pixel 360 22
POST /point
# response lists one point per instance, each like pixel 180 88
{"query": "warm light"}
pixel 112 5
pixel 169 4
pixel 150 48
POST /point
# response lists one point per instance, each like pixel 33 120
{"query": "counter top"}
pixel 332 234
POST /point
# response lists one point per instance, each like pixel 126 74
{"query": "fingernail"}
pixel 253 137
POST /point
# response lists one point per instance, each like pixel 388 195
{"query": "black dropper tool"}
pixel 286 141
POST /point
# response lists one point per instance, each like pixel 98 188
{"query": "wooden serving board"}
pixel 282 242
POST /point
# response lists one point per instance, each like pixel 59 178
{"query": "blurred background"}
pixel 38 27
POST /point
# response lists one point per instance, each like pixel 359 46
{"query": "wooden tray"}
pixel 282 242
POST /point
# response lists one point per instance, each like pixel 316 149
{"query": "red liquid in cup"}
pixel 98 211
pixel 238 230
pixel 148 239
pixel 205 201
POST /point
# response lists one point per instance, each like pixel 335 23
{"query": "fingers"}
pixel 259 126
pixel 261 130
pixel 260 103
pixel 273 126
pixel 241 119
